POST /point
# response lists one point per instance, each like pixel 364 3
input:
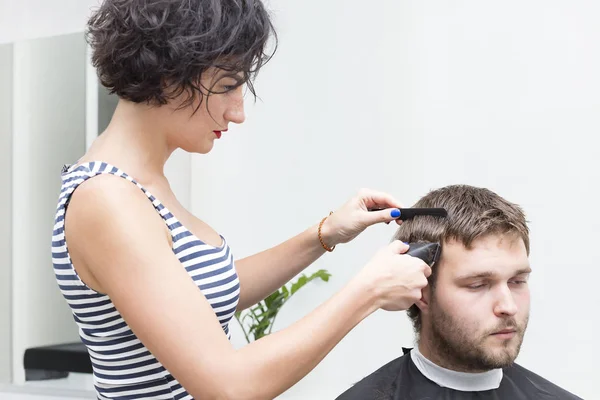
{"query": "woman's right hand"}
pixel 395 278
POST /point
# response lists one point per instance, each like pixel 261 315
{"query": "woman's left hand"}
pixel 354 216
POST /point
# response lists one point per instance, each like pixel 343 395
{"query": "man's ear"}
pixel 423 303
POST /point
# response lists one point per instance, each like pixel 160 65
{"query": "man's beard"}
pixel 453 345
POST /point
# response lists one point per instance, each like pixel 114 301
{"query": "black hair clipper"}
pixel 429 252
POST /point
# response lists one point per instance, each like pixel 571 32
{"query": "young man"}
pixel 472 316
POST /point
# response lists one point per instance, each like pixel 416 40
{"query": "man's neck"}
pixel 457 380
pixel 428 350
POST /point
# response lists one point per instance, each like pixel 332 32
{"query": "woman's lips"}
pixel 219 133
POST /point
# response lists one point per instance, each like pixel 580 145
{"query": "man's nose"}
pixel 505 302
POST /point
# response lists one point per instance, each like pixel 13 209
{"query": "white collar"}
pixel 463 381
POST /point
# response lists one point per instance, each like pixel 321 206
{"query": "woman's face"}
pixel 196 130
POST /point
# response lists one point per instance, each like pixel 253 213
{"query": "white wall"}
pixel 6 64
pixel 409 96
pixel 29 19
pixel 49 126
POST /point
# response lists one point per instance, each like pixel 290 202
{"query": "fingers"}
pixel 387 215
pixel 400 280
pixel 372 198
pixel 426 270
pixel 416 295
pixel 398 247
pixel 388 207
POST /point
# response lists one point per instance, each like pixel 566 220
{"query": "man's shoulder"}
pixel 518 372
pixel 380 384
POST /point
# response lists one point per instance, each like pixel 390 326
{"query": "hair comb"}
pixel 408 213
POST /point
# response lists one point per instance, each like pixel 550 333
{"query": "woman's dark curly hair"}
pixel 155 50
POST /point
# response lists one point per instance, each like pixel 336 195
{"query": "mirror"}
pixel 51 107
pixel 6 73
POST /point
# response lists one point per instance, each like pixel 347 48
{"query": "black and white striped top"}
pixel 123 367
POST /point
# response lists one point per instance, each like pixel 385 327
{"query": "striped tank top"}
pixel 122 366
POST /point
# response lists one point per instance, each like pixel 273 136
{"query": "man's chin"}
pixel 499 361
pixel 501 357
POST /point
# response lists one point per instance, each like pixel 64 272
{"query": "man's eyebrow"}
pixel 489 274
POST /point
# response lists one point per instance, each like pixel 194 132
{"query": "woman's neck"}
pixel 135 141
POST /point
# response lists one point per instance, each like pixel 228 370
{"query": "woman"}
pixel 153 288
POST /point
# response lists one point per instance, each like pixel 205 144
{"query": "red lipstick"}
pixel 219 133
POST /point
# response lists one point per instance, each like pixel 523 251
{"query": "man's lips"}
pixel 507 330
pixel 505 333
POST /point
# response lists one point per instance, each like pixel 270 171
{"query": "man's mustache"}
pixel 510 323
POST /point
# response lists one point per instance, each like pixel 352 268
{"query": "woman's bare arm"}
pixel 262 273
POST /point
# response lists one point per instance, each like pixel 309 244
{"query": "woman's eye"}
pixel 231 86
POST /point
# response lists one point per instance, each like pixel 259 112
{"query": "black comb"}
pixel 408 213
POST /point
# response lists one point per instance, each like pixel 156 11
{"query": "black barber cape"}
pixel 400 379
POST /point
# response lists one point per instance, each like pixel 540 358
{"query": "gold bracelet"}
pixel 330 249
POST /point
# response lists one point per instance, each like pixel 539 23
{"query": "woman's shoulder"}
pixel 107 196
pixel 109 224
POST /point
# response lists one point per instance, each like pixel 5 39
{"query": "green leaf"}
pixel 299 283
pixel 303 280
pixel 275 300
pixel 260 329
pixel 262 315
pixel 269 299
pixel 321 274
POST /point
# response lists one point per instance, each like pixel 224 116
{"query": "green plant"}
pixel 262 316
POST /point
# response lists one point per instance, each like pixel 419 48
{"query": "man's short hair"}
pixel 473 213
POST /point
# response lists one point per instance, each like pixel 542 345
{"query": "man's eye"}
pixel 476 286
pixel 518 282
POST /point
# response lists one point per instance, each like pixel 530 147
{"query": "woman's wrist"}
pixel 326 234
pixel 366 295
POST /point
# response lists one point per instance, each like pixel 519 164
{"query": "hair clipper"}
pixel 429 252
